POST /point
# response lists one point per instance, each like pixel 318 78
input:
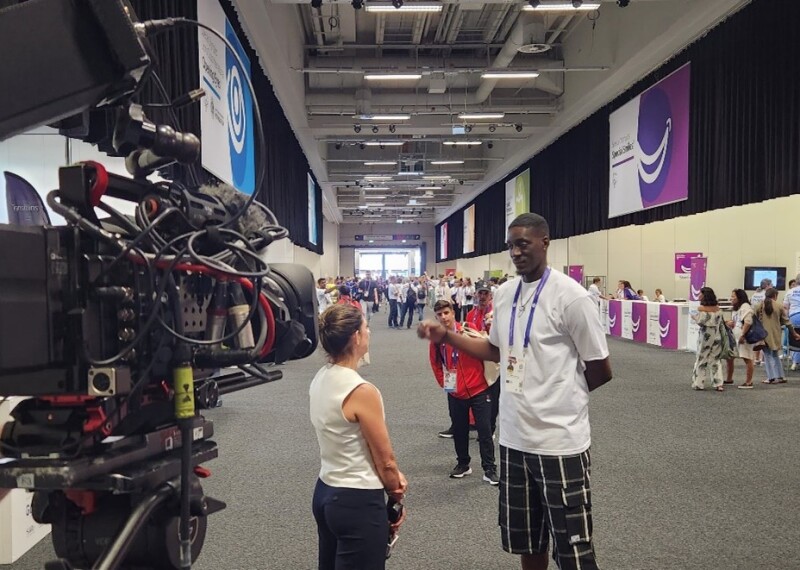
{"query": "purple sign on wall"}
pixel 615 318
pixel 683 262
pixel 576 272
pixel 639 321
pixel 663 139
pixel 668 325
pixel 698 278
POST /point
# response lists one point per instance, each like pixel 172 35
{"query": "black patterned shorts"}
pixel 543 496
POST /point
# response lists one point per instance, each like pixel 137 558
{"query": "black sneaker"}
pixel 491 478
pixel 448 433
pixel 460 471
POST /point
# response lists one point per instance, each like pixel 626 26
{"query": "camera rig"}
pixel 120 328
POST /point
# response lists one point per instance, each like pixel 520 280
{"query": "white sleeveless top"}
pixel 345 456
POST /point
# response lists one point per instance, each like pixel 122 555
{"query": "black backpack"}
pixel 421 295
pixel 411 296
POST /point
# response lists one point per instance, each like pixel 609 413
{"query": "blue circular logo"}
pixel 655 140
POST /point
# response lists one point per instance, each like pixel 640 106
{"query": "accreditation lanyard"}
pixel 530 316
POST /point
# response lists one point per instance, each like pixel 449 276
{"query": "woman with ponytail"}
pixel 773 317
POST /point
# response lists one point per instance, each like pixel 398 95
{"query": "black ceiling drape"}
pixel 285 188
pixel 744 135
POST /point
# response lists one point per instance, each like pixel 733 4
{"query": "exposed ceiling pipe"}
pixel 455 28
pixel 516 38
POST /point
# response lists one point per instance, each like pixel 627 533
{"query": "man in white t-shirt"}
pixel 548 366
pixel 594 290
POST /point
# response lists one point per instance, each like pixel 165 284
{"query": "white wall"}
pixel 731 238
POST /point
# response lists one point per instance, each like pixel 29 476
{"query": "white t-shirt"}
pixel 594 291
pixel 792 301
pixel 551 415
pixel 323 299
pixel 758 297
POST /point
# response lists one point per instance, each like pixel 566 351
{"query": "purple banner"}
pixel 683 262
pixel 698 278
pixel 668 325
pixel 663 138
pixel 639 321
pixel 576 272
pixel 615 318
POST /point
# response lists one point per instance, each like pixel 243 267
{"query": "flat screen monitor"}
pixel 754 275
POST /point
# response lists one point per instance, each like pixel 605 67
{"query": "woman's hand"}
pixel 741 339
pixel 400 493
pixel 729 324
pixel 394 527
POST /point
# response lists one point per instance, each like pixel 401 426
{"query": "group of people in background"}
pixel 755 328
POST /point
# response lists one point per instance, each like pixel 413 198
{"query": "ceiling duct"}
pixel 363 100
pixel 534 39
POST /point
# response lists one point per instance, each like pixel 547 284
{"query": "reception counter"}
pixel 660 324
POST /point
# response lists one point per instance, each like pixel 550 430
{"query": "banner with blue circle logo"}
pixel 226 112
pixel 649 147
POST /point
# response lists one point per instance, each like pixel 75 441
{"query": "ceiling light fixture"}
pixel 492 128
pixel 357 4
pixel 378 188
pixel 338 146
pixel 426 188
pixel 377 177
pixel 400 117
pixel 399 221
pixel 461 143
pixel 316 3
pixel 375 130
pixel 413 7
pixel 380 163
pixel 623 3
pixel 392 76
pixel 510 75
pixel 392 129
pixel 356 129
pixel 518 128
pixel 397 4
pixel 561 6
pixel 436 177
pixel 479 116
pixel 534 3
pixel 442 162
pixel 385 143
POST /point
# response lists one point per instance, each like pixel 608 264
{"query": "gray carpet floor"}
pixel 681 479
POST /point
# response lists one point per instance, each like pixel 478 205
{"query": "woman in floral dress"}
pixel 709 342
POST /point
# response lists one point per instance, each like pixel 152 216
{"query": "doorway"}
pixel 383 262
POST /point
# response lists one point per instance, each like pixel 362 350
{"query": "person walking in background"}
pixel 369 296
pixel 641 295
pixel 741 322
pixel 791 302
pixel 594 290
pixel 773 318
pixel 393 295
pixel 708 362
pixel 461 377
pixel 408 294
pixel 548 366
pixel 358 464
pixel 457 294
pixel 659 297
pixel 323 297
pixel 469 296
pixel 423 292
pixel 758 297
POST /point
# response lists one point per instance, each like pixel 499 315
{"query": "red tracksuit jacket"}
pixel 469 371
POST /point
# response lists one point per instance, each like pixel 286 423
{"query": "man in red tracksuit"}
pixel 480 319
pixel 462 378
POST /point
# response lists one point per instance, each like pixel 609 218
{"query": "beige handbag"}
pixel 491 370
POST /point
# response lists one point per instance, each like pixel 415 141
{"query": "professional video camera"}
pixel 119 328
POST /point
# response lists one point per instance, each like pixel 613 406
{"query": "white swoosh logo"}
pixel 695 292
pixel 659 155
pixel 612 321
pixel 635 324
pixel 686 269
pixel 664 329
